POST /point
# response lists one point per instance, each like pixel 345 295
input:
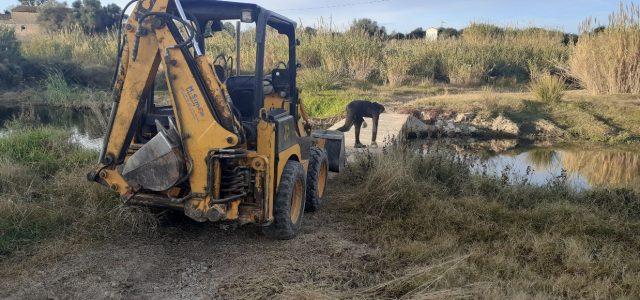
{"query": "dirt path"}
pixel 203 261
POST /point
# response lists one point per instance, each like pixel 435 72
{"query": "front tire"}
pixel 317 177
pixel 289 203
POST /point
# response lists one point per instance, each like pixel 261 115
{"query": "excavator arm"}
pixel 201 108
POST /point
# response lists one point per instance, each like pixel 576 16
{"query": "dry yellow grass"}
pixel 445 231
pixel 609 62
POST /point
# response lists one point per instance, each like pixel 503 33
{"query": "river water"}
pixel 583 165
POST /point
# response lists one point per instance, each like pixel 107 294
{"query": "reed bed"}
pixel 608 62
pixel 603 62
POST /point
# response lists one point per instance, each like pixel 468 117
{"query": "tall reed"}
pixel 608 62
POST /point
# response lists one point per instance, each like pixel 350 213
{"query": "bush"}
pixel 548 88
pixel 57 90
pixel 10 58
pixel 608 61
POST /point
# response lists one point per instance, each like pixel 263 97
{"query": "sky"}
pixel 406 15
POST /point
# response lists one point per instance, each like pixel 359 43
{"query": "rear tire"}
pixel 317 177
pixel 289 203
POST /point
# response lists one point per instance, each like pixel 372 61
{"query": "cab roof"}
pixel 227 10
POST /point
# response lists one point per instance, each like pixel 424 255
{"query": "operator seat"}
pixel 241 90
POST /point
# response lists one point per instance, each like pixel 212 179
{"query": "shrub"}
pixel 548 88
pixel 57 90
pixel 10 58
pixel 608 61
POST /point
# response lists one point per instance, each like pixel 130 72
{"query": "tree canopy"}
pixel 369 26
pixel 32 2
pixel 89 15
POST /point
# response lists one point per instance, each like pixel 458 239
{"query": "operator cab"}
pixel 241 60
pixel 237 62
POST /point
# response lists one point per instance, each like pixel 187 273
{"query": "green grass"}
pixel 44 193
pixel 332 103
pixel 45 150
pixel 444 230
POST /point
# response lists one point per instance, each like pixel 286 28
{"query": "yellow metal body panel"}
pixel 267 148
pixel 197 124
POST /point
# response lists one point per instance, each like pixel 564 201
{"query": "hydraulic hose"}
pixel 120 41
pixel 191 31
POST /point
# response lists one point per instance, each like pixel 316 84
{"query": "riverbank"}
pixel 498 113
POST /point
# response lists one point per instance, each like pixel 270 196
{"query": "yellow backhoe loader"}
pixel 228 146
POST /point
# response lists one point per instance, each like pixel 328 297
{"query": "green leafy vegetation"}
pixel 89 15
pixel 10 58
pixel 44 192
pixel 450 231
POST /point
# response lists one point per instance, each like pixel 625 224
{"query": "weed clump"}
pixel 548 88
pixel 10 58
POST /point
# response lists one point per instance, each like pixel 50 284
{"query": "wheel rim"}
pixel 322 179
pixel 296 201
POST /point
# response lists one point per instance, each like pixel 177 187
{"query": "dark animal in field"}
pixel 356 112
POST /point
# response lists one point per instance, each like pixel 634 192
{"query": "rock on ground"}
pixel 548 129
pixel 504 125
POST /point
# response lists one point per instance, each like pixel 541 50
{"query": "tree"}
pixel 570 39
pixel 447 33
pixel 417 33
pixel 92 17
pixel 369 26
pixel 10 58
pixel 310 31
pixel 32 2
pixel 229 28
pixel 54 17
pixel 396 36
pixel 599 29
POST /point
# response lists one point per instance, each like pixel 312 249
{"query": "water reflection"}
pixel 584 167
pixel 86 125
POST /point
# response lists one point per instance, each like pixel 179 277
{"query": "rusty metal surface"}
pixel 158 165
pixel 154 201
